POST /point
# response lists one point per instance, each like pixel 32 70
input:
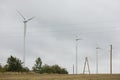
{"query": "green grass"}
pixel 33 76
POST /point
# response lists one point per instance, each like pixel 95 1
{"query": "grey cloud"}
pixel 51 35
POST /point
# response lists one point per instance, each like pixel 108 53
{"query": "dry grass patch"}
pixel 33 76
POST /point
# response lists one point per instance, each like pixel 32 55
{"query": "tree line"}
pixel 16 65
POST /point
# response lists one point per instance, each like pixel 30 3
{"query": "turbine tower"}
pixel 73 68
pixel 111 59
pixel 97 48
pixel 77 39
pixel 25 27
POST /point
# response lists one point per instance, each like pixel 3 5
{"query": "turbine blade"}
pixel 20 14
pixel 78 39
pixel 30 19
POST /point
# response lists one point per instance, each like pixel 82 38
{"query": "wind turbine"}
pixel 97 48
pixel 77 39
pixel 25 27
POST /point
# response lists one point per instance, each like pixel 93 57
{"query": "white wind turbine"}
pixel 77 39
pixel 25 27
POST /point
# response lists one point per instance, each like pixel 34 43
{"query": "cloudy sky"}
pixel 51 35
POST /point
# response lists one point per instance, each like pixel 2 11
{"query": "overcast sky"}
pixel 51 35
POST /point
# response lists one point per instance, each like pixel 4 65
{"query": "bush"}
pixel 3 69
pixel 25 69
pixel 53 69
pixel 46 69
pixel 37 66
pixel 14 64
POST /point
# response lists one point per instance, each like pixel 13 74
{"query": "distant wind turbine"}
pixel 25 27
pixel 77 39
pixel 97 48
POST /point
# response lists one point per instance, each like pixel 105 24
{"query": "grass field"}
pixel 31 76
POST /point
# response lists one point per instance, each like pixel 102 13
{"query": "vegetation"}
pixel 53 69
pixel 25 69
pixel 37 66
pixel 2 69
pixel 33 76
pixel 15 65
